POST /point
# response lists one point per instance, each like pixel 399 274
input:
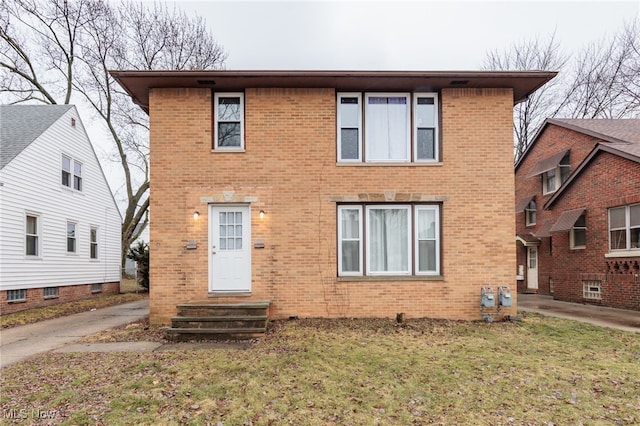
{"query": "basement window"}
pixel 16 295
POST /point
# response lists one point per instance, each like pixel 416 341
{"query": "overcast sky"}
pixel 396 35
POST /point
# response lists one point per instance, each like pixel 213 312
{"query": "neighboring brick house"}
pixel 331 194
pixel 578 212
pixel 59 223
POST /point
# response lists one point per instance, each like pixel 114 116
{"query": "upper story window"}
pixel 32 234
pixel 71 173
pixel 388 134
pixel 228 121
pixel 530 213
pixel 554 178
pixel 624 228
pixel 388 239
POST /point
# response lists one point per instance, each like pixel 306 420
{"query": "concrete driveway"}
pixel 622 319
pixel 19 343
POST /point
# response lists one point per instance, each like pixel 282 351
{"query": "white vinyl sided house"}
pixel 59 223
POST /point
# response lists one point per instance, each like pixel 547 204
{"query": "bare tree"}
pixel 605 78
pixel 601 81
pixel 537 54
pixel 60 51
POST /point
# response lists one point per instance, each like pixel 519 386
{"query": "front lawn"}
pixel 350 372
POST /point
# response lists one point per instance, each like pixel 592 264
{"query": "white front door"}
pixel 230 248
pixel 532 268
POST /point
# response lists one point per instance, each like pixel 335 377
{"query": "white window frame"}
pixel 368 238
pixel 436 238
pixel 572 235
pixel 216 120
pixel 76 181
pixel 412 127
pixel 416 126
pixel 341 238
pixel 77 177
pixel 66 173
pixel 413 240
pixel 19 295
pixel 50 293
pixel 530 213
pixel 36 235
pixel 339 127
pixel 558 176
pixel 75 237
pixel 94 243
pixel 627 228
pixel 367 129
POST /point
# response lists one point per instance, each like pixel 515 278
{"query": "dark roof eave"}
pixel 138 83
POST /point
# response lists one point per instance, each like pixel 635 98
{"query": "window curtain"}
pixel 388 240
pixel 387 128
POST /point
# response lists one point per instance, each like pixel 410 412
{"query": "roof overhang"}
pixel 139 83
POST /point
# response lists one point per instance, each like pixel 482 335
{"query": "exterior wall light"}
pixel 196 215
pixel 261 214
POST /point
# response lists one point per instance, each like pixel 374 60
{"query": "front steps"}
pixel 220 320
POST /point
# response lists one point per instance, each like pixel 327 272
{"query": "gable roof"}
pixel 609 130
pixel 22 124
pixel 139 83
pixel 628 148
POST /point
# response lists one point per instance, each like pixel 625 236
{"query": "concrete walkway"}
pixel 19 343
pixel 622 319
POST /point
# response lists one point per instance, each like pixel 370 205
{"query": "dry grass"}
pixel 39 314
pixel 357 372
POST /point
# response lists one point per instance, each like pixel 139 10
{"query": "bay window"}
pixel 398 127
pixel 388 239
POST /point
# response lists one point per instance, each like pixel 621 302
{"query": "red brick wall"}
pixel 608 181
pixel 35 296
pixel 289 170
pixel 554 139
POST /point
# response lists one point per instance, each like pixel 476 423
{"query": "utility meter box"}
pixel 487 299
pixel 504 296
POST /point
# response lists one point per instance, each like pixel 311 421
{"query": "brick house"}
pixel 331 193
pixel 578 212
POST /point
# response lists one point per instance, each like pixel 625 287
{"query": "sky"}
pixel 396 35
pixel 388 35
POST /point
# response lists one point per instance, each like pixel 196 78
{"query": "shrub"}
pixel 140 254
